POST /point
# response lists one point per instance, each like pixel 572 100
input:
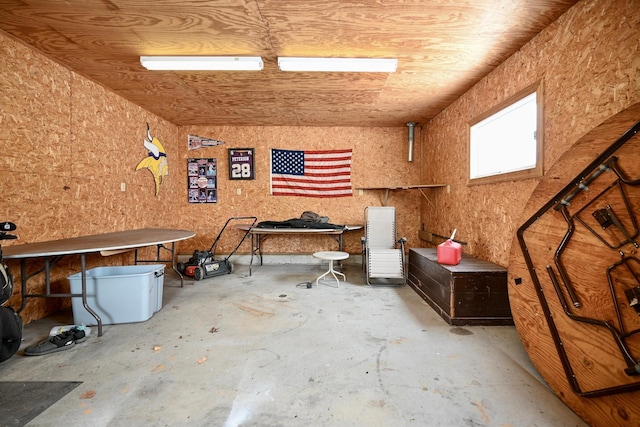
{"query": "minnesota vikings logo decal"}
pixel 156 160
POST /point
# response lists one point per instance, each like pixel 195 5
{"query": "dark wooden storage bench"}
pixel 473 292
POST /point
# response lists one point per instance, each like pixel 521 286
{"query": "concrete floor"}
pixel 258 350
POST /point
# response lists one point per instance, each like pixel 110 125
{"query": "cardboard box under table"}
pixel 474 292
pixel 118 294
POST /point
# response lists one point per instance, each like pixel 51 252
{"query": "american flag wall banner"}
pixel 311 173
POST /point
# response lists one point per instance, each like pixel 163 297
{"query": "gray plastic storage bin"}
pixel 120 294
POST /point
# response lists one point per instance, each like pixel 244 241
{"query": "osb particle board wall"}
pixel 379 158
pixel 68 145
pixel 589 62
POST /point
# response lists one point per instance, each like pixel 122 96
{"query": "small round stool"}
pixel 331 256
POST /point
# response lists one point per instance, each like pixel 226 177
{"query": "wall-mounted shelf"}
pixel 421 188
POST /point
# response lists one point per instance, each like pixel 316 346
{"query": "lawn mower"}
pixel 203 264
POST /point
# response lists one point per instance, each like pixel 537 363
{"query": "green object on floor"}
pixel 20 402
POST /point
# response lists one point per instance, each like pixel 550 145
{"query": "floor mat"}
pixel 20 402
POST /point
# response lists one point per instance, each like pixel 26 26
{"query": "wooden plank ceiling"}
pixel 443 48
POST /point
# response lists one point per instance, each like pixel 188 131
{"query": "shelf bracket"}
pixel 433 204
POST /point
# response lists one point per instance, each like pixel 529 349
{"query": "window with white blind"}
pixel 505 143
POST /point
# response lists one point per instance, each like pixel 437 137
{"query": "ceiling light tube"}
pixel 202 63
pixel 354 65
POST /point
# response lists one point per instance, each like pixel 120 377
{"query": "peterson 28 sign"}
pixel 241 163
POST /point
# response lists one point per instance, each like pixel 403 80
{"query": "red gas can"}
pixel 450 252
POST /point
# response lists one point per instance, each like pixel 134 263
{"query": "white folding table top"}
pixel 116 241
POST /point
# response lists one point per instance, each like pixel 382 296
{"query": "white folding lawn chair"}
pixel 383 255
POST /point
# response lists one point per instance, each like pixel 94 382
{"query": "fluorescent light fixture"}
pixel 353 65
pixel 199 63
